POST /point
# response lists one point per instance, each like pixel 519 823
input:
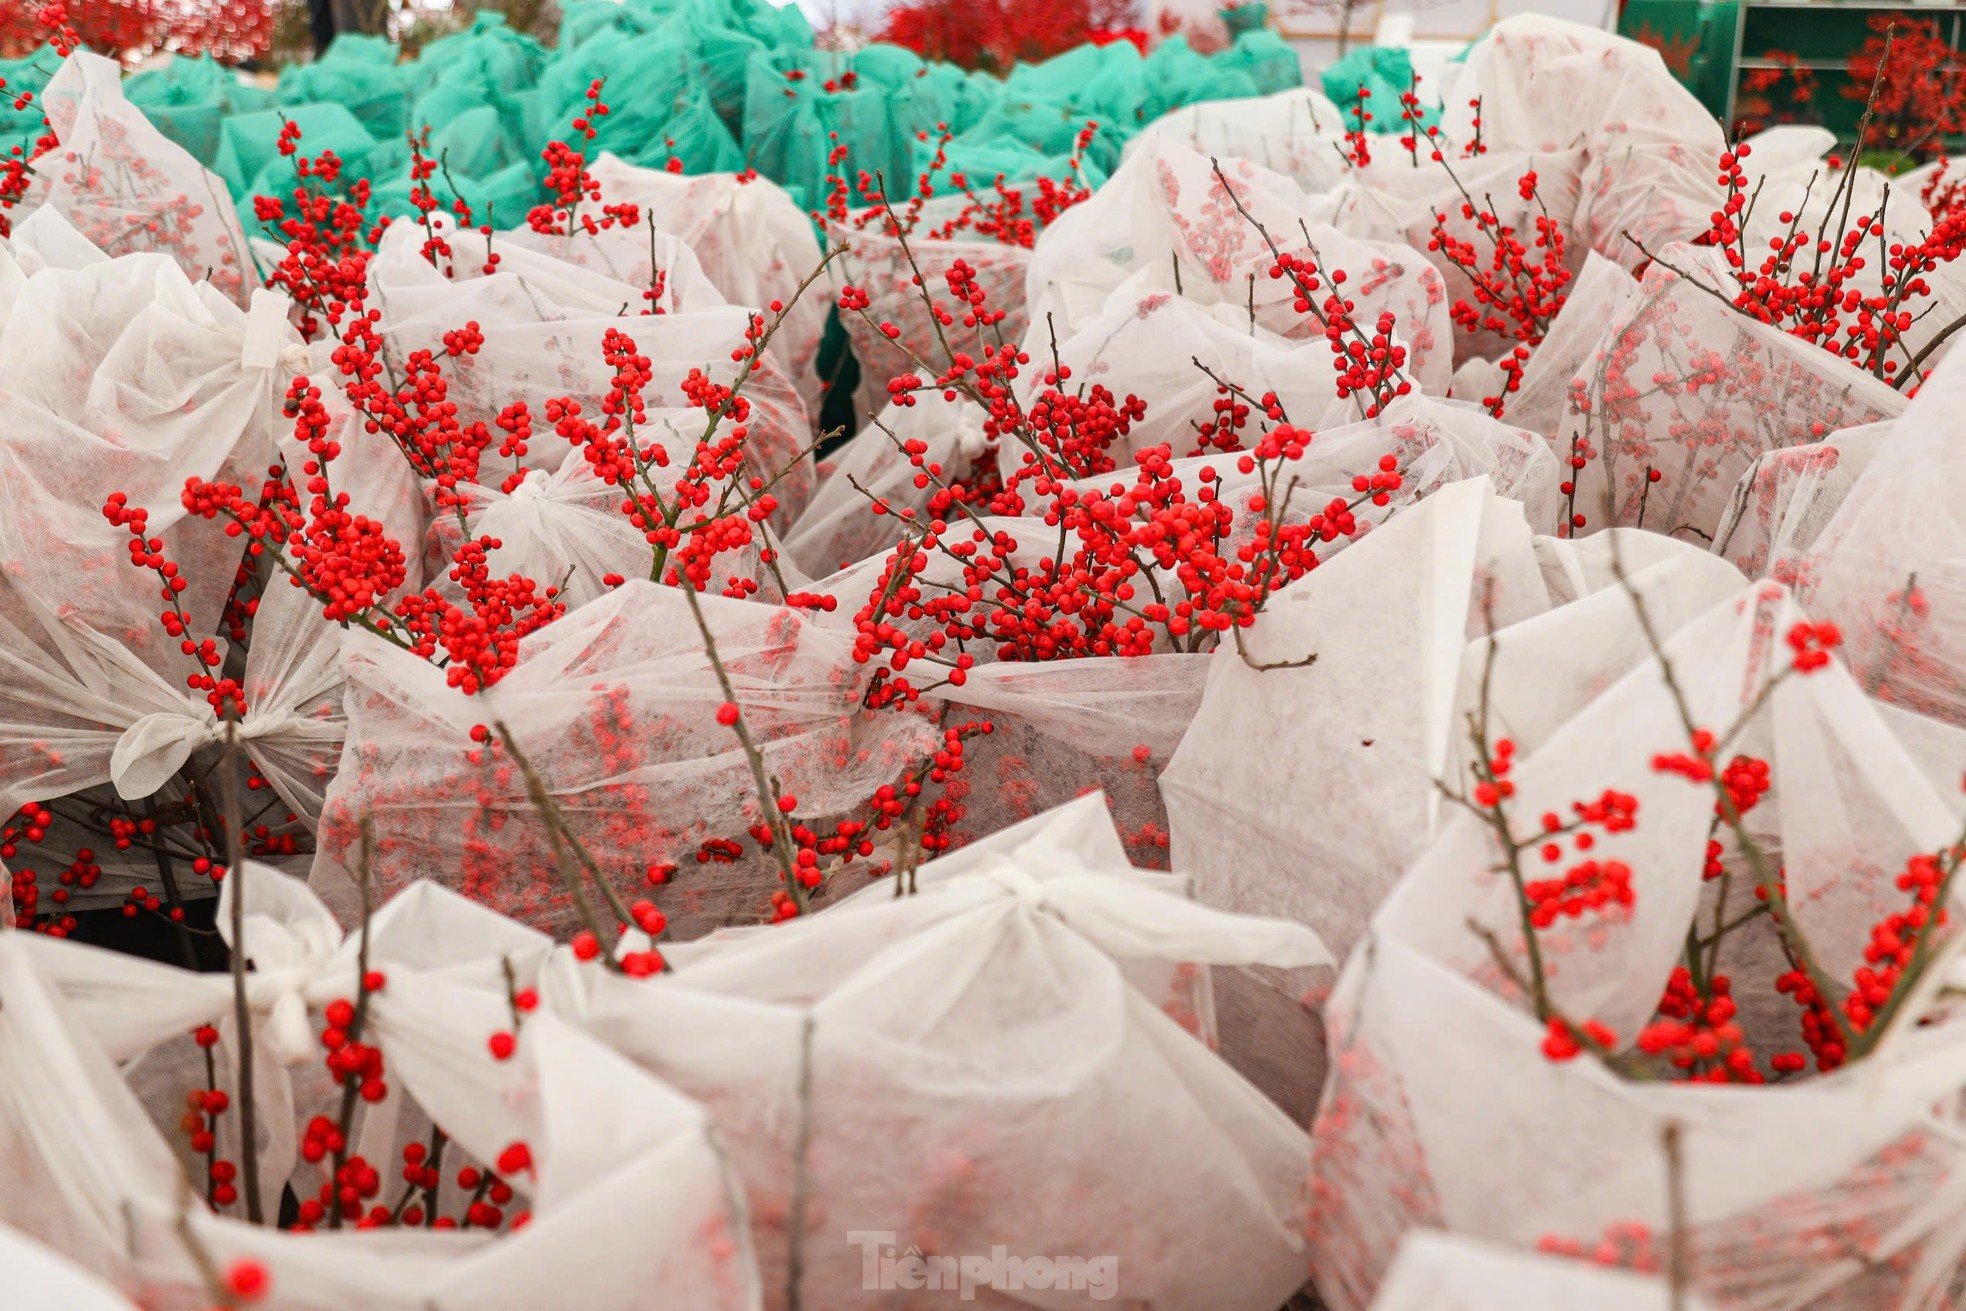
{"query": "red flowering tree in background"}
pixel 995 34
pixel 134 29
pixel 1920 99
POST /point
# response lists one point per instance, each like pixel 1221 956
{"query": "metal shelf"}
pixel 1813 65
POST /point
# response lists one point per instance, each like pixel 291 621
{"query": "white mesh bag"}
pixel 1167 214
pixel 543 322
pixel 1298 133
pixel 1788 496
pixel 39 1280
pixel 129 189
pixel 1887 566
pixel 750 239
pixel 989 1018
pixel 1436 1052
pixel 630 1205
pixel 885 267
pixel 838 527
pixel 1686 386
pixel 1441 1272
pixel 1649 148
pixel 614 707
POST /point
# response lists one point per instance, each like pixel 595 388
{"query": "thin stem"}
pixel 241 1012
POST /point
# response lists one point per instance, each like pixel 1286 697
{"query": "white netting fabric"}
pixel 614 707
pixel 146 379
pixel 543 322
pixel 1788 496
pixel 1060 729
pixel 838 527
pixel 746 235
pixel 660 263
pixel 1600 294
pixel 881 265
pixel 1165 214
pixel 989 1019
pixel 1684 386
pixel 1396 635
pixel 39 1280
pixel 1443 1109
pixel 1396 198
pixel 1443 1272
pixel 129 189
pixel 1438 1074
pixel 1649 148
pixel 630 1205
pixel 1181 355
pixel 1890 564
pixel 566 528
pixel 1297 133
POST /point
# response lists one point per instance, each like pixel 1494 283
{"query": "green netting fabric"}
pixel 718 85
pixel 376 91
pixel 190 97
pixel 22 127
pixel 1387 72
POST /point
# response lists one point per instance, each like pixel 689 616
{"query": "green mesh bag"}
pixel 1387 72
pixel 376 94
pixel 248 152
pixel 189 98
pixel 1265 58
pixel 21 127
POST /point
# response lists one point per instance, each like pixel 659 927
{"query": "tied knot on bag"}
pixel 1134 920
pixel 267 340
pixel 293 945
pixel 531 490
pixel 1026 889
pixel 1030 876
pixel 527 504
pixel 157 745
pixel 279 997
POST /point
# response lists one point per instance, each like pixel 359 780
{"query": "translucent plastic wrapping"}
pixel 1165 214
pixel 614 709
pixel 128 189
pixel 894 1074
pixel 543 322
pixel 1442 1106
pixel 1684 386
pixel 1541 86
pixel 630 1205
